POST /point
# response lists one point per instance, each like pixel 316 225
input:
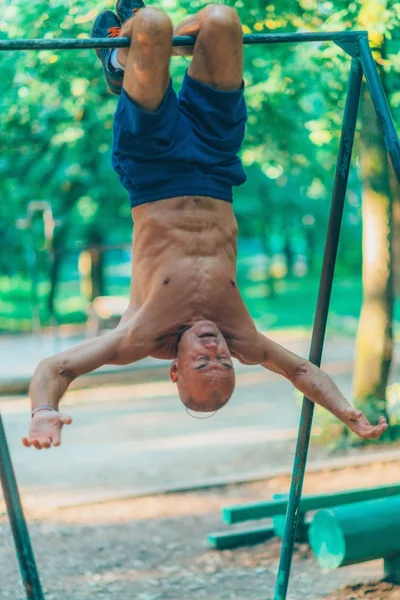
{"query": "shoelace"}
pixel 115 31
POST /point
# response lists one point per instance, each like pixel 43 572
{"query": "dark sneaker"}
pixel 108 25
pixel 125 9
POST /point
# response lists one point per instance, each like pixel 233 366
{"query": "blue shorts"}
pixel 188 147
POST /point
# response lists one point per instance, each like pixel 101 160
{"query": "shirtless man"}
pixel 178 161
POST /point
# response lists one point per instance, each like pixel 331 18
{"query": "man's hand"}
pixel 45 429
pixel 359 424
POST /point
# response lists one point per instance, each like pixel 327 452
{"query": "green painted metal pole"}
pixel 251 39
pixel 27 565
pixel 321 315
pixel 381 104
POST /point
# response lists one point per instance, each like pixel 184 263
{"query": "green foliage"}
pixel 57 116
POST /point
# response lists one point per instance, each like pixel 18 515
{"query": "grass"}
pixel 291 305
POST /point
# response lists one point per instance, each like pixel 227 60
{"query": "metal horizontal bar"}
pixel 252 38
pixel 263 510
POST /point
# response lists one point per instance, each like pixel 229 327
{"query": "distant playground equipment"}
pixel 349 527
pixel 41 209
pixel 105 312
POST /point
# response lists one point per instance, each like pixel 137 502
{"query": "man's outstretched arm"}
pixel 54 375
pixel 314 383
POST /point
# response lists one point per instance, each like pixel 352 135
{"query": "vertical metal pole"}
pixel 27 565
pixel 381 104
pixel 321 315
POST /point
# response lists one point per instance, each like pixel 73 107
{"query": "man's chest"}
pixel 174 307
pixel 188 283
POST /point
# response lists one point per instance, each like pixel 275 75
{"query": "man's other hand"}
pixel 45 429
pixel 359 424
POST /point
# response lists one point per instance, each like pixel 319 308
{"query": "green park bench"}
pixel 276 509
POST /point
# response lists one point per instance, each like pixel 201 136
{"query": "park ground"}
pixel 130 441
pixel 155 548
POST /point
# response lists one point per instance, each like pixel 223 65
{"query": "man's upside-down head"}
pixel 203 369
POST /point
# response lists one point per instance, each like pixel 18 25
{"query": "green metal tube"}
pixel 278 506
pixel 252 38
pixel 356 533
pixel 27 565
pixel 321 315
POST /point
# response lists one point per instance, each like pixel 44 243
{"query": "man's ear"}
pixel 173 371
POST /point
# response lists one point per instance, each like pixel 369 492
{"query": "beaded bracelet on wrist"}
pixel 43 407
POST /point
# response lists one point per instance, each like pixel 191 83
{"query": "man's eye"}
pixel 222 357
pixel 203 362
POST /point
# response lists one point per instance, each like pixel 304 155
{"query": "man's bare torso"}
pixel 184 269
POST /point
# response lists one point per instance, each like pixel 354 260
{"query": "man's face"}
pixel 203 369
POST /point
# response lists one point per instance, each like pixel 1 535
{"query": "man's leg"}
pixel 146 77
pixel 218 52
pixel 146 62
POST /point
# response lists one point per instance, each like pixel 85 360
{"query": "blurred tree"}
pixel 374 337
pixel 396 230
pixel 57 125
pixel 374 345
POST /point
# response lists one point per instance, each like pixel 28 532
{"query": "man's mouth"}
pixel 207 334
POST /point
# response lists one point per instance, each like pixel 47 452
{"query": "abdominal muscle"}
pixel 184 247
pixel 184 270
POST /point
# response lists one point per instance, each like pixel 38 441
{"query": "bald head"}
pixel 203 369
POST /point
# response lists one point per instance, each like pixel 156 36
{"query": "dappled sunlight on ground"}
pixel 155 548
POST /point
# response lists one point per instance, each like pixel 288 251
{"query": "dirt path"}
pixel 155 548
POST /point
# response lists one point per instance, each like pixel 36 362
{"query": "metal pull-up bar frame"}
pixel 355 43
pixel 183 40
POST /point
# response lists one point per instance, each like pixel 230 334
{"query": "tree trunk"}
pixel 374 336
pixel 95 238
pixel 55 268
pixel 54 279
pixel 97 272
pixel 396 229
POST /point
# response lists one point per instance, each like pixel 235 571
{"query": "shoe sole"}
pixel 113 86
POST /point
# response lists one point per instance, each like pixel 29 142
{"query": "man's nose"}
pixel 212 346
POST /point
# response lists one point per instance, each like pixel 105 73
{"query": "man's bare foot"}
pixel 359 424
